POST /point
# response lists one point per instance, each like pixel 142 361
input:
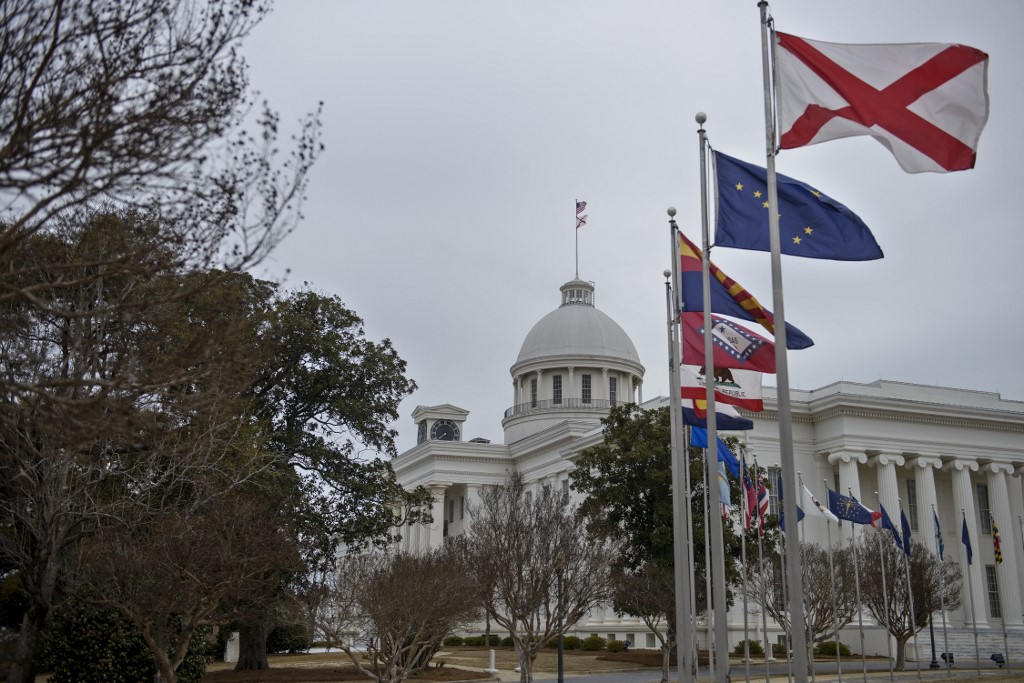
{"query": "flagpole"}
pixel 708 613
pixel 835 606
pixel 744 515
pixel 680 489
pixel 768 654
pixel 801 536
pixel 970 589
pixel 1006 645
pixel 885 594
pixel 711 453
pixel 856 585
pixel 787 631
pixel 910 594
pixel 942 597
pixel 577 239
pixel 794 578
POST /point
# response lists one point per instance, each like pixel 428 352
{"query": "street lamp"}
pixel 559 563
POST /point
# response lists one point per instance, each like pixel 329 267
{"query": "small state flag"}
pixel 699 438
pixel 938 537
pixel 997 542
pixel 580 221
pixel 811 504
pixel 740 388
pixel 905 525
pixel 965 538
pixel 887 524
pixel 811 224
pixel 762 502
pixel 851 509
pixel 927 103
pixel 750 496
pixel 733 345
pixel 728 297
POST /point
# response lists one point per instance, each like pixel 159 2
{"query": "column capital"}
pixel 847 456
pixel 883 459
pixel 925 460
pixel 960 464
pixel 438 487
pixel 999 468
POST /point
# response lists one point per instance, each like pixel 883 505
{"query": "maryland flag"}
pixel 997 542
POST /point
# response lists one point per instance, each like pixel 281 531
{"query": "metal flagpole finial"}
pixel 700 118
pixel 671 211
pixel 667 273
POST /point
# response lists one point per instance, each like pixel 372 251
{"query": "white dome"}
pixel 577 330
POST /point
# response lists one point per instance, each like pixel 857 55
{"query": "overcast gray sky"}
pixel 459 133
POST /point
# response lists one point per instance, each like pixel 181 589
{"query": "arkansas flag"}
pixel 926 102
pixel 740 388
pixel 734 346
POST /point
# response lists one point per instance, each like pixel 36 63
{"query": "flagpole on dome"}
pixel 580 222
pixel 680 489
pixel 717 539
pixel 794 578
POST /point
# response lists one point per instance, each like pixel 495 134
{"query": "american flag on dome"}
pixel 580 207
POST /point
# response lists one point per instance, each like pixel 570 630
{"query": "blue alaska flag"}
pixel 905 525
pixel 888 525
pixel 811 224
pixel 699 438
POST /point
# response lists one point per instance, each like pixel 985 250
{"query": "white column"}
pixel 888 487
pixel 571 391
pixel 1006 571
pixel 963 498
pixel 925 466
pixel 515 391
pixel 604 382
pixel 436 533
pixel 849 477
pixel 639 390
pixel 1017 511
pixel 539 390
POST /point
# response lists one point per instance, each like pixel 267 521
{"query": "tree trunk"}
pixel 525 661
pixel 901 656
pixel 252 644
pixel 666 661
pixel 22 670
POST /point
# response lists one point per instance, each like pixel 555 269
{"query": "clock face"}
pixel 444 430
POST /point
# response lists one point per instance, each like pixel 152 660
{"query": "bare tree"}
pixel 650 595
pixel 932 581
pixel 519 543
pixel 397 607
pixel 830 600
pixel 173 570
pixel 143 102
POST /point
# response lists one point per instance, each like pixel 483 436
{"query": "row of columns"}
pixel 960 470
pixel 627 394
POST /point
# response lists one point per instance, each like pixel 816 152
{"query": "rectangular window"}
pixel 533 392
pixel 462 507
pixel 984 513
pixel 451 510
pixel 586 388
pixel 912 503
pixel 993 592
pixel 565 486
pixel 650 641
pixel 556 390
pixel 613 387
pixel 774 481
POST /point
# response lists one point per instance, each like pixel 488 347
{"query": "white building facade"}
pixel 917 446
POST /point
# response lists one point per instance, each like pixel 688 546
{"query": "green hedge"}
pixel 458 641
pixel 288 638
pixel 756 649
pixel 593 644
pixel 85 644
pixel 827 648
pixel 615 646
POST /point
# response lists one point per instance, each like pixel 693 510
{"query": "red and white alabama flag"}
pixel 926 102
